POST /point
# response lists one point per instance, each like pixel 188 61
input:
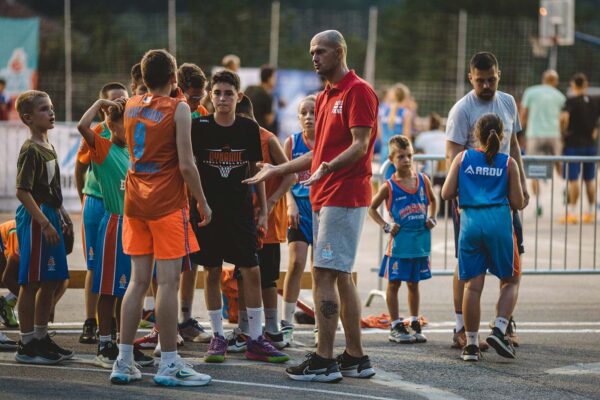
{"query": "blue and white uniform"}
pixel 486 240
pixel 407 255
pixel 300 146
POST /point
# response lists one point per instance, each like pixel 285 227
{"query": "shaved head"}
pixel 550 77
pixel 333 39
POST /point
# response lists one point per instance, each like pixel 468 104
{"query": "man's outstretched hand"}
pixel 266 171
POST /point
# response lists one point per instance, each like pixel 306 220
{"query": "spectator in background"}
pixel 433 142
pixel 394 116
pixel 578 122
pixel 540 113
pixel 231 62
pixel 5 103
pixel 262 98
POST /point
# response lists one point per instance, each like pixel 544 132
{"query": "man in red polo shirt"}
pixel 345 131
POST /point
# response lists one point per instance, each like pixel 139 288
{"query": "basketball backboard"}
pixel 557 22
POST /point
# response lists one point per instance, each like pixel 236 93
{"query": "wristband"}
pixel 432 220
pixel 387 228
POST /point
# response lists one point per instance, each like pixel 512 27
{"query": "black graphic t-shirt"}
pixel 223 155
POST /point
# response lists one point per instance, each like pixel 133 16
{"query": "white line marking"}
pixel 576 369
pixel 430 393
pixel 240 383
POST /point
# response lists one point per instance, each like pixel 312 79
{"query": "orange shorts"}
pixel 168 237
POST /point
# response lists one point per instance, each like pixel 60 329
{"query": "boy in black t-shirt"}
pixel 43 261
pixel 227 149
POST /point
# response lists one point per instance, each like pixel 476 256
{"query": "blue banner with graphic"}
pixel 19 55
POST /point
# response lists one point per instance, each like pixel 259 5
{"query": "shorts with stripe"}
pixel 168 237
pixel 487 242
pixel 39 261
pixel 405 269
pixel 93 212
pixel 112 270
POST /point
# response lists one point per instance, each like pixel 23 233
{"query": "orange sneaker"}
pixel 587 218
pixel 569 219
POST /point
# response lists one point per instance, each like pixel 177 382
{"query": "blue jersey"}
pixel 481 184
pixel 387 132
pixel 408 208
pixel 300 147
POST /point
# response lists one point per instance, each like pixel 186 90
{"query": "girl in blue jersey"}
pixel 299 214
pixel 487 185
pixel 394 117
pixel 411 205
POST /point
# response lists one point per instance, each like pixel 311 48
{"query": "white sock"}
pixel 572 209
pixel 243 321
pixel 413 318
pixel 398 321
pixel 288 312
pixel 271 324
pixel 149 303
pixel 105 339
pixel 40 331
pixel 126 353
pixel 590 211
pixel 460 322
pixel 216 322
pixel 254 322
pixel 502 324
pixel 472 338
pixel 10 297
pixel 168 357
pixel 27 337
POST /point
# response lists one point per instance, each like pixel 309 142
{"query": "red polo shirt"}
pixel 350 103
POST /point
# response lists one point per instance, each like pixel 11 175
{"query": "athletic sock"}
pixel 414 318
pixel 472 338
pixel 243 321
pixel 104 339
pixel 288 312
pixel 271 324
pixel 149 303
pixel 502 324
pixel 460 322
pixel 10 297
pixel 216 322
pixel 126 353
pixel 40 331
pixel 254 322
pixel 396 322
pixel 572 209
pixel 168 357
pixel 27 337
pixel 186 311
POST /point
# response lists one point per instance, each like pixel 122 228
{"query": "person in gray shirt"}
pixel 485 98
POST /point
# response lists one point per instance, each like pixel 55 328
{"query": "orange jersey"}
pixel 83 153
pixel 8 232
pixel 202 110
pixel 154 185
pixel 277 227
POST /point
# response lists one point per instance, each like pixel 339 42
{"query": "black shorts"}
pixel 296 235
pixel 517 226
pixel 269 260
pixel 226 238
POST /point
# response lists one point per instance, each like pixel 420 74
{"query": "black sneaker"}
pixel 471 353
pixel 511 332
pixel 35 352
pixel 501 344
pixel 113 330
pixel 88 336
pixel 416 327
pixel 353 367
pixel 142 359
pixel 315 369
pixel 54 348
pixel 106 355
pixel 276 338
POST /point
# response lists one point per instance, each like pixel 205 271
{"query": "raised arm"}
pixel 85 123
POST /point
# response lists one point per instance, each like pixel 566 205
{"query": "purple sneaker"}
pixel 262 350
pixel 216 350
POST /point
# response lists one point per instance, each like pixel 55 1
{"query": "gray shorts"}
pixel 336 231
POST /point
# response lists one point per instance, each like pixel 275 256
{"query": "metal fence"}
pixel 551 245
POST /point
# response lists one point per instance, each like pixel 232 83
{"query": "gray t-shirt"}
pixel 465 113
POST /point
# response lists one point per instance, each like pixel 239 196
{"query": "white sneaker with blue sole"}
pixel 180 373
pixel 123 373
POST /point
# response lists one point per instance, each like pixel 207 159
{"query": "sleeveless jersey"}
pixel 9 241
pixel 91 186
pixel 109 163
pixel 300 146
pixel 387 132
pixel 277 227
pixel 408 208
pixel 154 185
pixel 481 184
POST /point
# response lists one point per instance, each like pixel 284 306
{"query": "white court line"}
pixel 240 383
pixel 430 393
pixel 576 369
